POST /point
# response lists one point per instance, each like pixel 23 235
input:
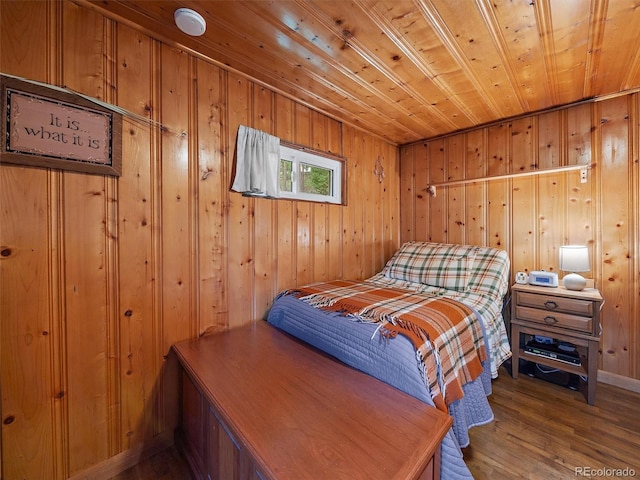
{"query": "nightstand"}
pixel 565 315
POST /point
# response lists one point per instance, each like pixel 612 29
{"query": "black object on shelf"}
pixel 561 351
pixel 548 374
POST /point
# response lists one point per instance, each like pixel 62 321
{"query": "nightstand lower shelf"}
pixel 549 362
pixel 586 346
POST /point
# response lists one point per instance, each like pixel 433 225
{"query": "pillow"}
pixel 435 264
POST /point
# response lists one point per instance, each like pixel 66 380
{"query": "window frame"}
pixel 299 155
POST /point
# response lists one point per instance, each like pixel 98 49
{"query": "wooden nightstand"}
pixel 565 315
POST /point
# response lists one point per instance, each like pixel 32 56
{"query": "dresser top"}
pixel 588 293
pixel 302 414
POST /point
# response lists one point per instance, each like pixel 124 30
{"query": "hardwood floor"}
pixel 165 465
pixel 540 431
pixel 545 431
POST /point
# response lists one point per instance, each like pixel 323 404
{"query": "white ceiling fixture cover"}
pixel 190 22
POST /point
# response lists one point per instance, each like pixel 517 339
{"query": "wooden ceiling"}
pixel 408 70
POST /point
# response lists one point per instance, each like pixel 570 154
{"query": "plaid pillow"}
pixel 435 264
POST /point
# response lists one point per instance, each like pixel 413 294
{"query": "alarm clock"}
pixel 543 279
pixel 522 277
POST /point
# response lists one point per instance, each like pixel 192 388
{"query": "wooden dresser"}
pixel 258 404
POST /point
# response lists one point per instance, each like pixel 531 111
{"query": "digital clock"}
pixel 543 279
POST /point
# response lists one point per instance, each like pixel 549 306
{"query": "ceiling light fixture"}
pixel 190 22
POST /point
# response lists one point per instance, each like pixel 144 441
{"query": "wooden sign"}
pixel 45 127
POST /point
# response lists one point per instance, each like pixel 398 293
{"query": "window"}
pixel 308 176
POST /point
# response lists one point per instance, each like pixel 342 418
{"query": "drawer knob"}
pixel 549 320
pixel 551 305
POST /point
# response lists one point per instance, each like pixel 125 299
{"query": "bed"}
pixel 411 347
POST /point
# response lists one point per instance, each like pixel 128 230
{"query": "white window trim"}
pixel 305 156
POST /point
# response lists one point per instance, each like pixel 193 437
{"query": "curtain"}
pixel 258 163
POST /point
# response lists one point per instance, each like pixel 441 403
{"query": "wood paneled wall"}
pixel 99 276
pixel 531 216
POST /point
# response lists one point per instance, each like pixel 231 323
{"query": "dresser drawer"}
pixel 555 319
pixel 556 304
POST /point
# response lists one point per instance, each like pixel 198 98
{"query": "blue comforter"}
pixel 392 361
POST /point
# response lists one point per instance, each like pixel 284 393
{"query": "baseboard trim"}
pixel 616 380
pixel 127 459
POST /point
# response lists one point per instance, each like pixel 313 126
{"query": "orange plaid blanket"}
pixel 446 334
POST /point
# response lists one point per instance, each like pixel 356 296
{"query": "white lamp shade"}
pixel 574 258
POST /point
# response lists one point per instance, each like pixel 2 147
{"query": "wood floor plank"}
pixel 165 465
pixel 542 430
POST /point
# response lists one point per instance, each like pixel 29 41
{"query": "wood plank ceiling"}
pixel 408 70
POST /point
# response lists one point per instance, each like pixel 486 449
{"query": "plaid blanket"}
pixel 446 334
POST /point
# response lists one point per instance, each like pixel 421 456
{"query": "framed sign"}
pixel 44 127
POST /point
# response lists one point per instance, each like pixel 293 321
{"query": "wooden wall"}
pixel 99 276
pixel 531 216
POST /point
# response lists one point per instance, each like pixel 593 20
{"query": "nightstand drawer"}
pixel 556 304
pixel 555 319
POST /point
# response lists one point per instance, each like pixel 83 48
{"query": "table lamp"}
pixel 574 258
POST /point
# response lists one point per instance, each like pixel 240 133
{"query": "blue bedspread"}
pixel 391 361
